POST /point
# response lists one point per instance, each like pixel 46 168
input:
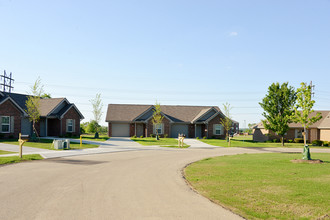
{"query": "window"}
pixel 158 128
pixel 5 124
pixel 299 133
pixel 69 125
pixel 218 129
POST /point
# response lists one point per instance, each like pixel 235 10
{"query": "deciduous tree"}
pixel 278 108
pixel 226 122
pixel 302 111
pixel 97 111
pixel 157 118
pixel 33 104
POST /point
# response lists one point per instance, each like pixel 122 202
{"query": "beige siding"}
pixel 325 134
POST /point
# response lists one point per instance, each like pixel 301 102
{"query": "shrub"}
pixel 134 136
pixel 141 136
pixel 276 140
pixel 214 137
pixel 299 140
pixel 165 135
pixel 204 137
pixel 317 143
pixel 68 135
pixel 11 136
pixel 325 143
pixel 290 140
pixel 197 138
pixel 152 135
pixel 2 136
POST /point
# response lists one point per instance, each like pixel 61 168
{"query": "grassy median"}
pixel 265 186
pixel 17 159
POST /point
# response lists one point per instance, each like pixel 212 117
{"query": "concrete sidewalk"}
pixel 194 143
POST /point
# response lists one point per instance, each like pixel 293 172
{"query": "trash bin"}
pixel 67 144
pixel 58 144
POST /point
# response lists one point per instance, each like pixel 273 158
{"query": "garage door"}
pixel 179 129
pixel 120 130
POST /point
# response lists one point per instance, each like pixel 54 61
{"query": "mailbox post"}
pixel 22 139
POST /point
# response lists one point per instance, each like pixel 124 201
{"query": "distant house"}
pixel 317 131
pixel 58 116
pixel 194 121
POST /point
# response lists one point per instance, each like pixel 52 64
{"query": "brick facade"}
pixel 149 128
pixel 212 122
pixel 71 114
pixel 9 109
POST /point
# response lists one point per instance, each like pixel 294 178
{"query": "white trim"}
pixel 151 107
pixel 212 108
pixel 64 100
pixel 161 127
pixel 219 112
pixel 221 129
pixel 163 115
pixel 72 105
pixel 72 125
pixel 2 124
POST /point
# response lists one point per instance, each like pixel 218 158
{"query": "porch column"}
pixel 195 130
pixel 135 129
pixel 46 133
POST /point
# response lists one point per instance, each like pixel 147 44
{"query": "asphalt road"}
pixel 127 185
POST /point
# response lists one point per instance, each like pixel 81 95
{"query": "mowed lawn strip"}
pixel 17 159
pixel 265 186
pixel 6 152
pixel 47 144
pixel 246 141
pixel 170 142
pixel 90 137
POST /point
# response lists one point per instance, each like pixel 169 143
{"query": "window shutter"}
pixel 66 124
pixel 0 124
pixel 11 125
pixel 73 125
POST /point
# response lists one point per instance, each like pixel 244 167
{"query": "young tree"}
pixel 157 118
pixel 226 122
pixel 305 103
pixel 33 105
pixel 278 107
pixel 97 111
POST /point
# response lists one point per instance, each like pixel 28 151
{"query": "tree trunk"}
pixel 282 140
pixel 306 153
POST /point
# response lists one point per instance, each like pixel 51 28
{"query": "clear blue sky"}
pixel 176 52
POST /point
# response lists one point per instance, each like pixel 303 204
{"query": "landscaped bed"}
pixel 163 142
pixel 246 141
pixel 47 144
pixel 265 186
pixel 17 159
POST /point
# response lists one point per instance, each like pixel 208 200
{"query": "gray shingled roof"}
pixel 177 113
pixel 46 105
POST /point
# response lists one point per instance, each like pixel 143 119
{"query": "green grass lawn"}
pixel 246 141
pixel 6 152
pixel 265 186
pixel 170 142
pixel 47 144
pixel 90 137
pixel 17 159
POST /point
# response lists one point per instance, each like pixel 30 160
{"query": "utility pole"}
pixel 312 88
pixel 6 82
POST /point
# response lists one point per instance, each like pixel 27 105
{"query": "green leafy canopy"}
pixel 278 107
